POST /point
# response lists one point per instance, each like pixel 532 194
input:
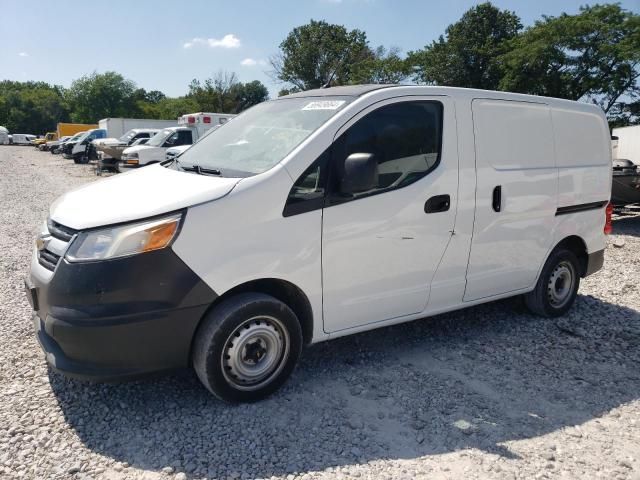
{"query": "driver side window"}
pixel 405 139
pixel 171 141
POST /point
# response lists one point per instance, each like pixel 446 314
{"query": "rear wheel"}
pixel 557 286
pixel 247 347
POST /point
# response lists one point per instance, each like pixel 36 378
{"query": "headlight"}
pixel 130 158
pixel 124 240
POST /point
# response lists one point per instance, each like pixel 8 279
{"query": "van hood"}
pixel 135 195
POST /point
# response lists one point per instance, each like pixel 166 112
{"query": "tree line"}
pixel 36 107
pixel 591 56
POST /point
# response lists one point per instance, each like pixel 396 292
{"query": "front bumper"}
pixel 119 319
pixel 125 167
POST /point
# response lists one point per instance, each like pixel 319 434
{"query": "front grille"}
pixel 56 245
pixel 48 260
pixel 60 231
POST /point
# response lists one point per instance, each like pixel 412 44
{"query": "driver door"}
pixel 381 248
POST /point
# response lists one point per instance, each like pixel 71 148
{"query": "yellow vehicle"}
pixel 71 129
pixel 49 137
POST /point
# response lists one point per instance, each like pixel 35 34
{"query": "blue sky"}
pixel 163 45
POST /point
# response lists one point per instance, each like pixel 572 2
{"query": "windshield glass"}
pixel 158 139
pixel 261 137
pixel 127 136
pixel 77 136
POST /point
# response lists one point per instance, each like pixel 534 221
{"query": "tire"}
pixel 557 286
pixel 265 328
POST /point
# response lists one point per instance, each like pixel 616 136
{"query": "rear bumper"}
pixel 118 319
pixel 595 261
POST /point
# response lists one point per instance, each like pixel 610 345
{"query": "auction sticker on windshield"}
pixel 323 105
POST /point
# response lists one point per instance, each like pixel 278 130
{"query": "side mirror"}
pixel 360 173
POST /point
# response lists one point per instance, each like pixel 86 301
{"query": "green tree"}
pixel 592 56
pixel 223 93
pixel 101 95
pixel 468 54
pixel 318 54
pixel 31 107
pixel 381 66
pixel 249 94
pixel 170 108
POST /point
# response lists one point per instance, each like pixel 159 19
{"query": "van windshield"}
pixel 127 136
pixel 261 137
pixel 158 139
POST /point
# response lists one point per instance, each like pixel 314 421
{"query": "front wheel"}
pixel 557 286
pixel 247 347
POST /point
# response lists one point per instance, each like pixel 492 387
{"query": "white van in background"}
pixel 188 131
pixel 317 215
pixel 173 152
pixel 22 138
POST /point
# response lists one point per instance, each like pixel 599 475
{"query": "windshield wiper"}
pixel 202 170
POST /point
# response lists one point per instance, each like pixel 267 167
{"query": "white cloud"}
pixel 228 41
pixel 23 54
pixel 251 62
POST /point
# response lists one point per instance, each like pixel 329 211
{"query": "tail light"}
pixel 608 226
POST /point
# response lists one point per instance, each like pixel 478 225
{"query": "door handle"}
pixel 438 203
pixel 497 198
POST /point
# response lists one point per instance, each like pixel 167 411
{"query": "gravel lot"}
pixel 488 392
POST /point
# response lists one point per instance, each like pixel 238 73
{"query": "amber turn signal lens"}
pixel 160 236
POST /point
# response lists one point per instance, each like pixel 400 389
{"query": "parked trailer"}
pixel 117 127
pixel 4 136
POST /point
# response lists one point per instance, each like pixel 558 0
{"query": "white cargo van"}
pixel 173 152
pixel 318 215
pixel 22 138
pixel 189 130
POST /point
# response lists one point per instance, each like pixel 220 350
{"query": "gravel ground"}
pixel 487 392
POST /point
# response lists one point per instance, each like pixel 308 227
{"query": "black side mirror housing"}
pixel 360 173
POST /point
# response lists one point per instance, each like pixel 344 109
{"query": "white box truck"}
pixel 626 166
pixel 117 127
pixel 627 146
pixel 190 129
pixel 317 215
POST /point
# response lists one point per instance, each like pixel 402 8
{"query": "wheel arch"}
pixel 282 290
pixel 577 245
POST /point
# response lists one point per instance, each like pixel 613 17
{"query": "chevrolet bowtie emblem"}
pixel 42 241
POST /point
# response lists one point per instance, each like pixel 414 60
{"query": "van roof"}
pixel 359 90
pixel 347 90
